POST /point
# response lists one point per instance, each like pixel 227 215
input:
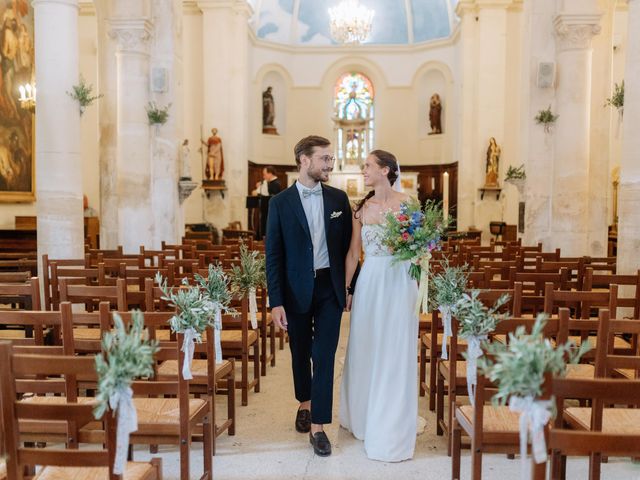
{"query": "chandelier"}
pixel 350 22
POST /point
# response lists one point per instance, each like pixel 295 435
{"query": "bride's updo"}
pixel 383 159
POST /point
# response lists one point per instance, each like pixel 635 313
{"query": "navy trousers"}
pixel 313 339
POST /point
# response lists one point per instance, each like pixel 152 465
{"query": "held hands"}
pixel 347 308
pixel 279 317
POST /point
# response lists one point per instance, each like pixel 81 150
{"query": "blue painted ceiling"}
pixel 396 22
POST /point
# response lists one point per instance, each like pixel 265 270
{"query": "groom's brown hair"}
pixel 306 146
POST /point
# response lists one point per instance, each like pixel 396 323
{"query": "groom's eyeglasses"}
pixel 327 158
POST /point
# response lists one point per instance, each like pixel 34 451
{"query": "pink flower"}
pixel 402 218
pixel 405 236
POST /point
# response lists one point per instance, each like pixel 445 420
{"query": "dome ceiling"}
pixel 396 22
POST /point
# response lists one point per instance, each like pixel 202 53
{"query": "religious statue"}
pixel 435 114
pixel 268 113
pixel 185 165
pixel 215 157
pixel 493 163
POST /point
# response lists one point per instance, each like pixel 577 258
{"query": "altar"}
pixel 352 182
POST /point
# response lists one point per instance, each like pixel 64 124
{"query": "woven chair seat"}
pixel 618 342
pixel 169 369
pixel 83 333
pixel 12 334
pixel 494 419
pixel 580 370
pixel 233 338
pixel 133 471
pixel 628 373
pixel 461 371
pixel 625 421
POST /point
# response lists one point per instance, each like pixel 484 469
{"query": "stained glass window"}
pixel 353 107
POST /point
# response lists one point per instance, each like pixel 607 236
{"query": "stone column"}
pixel 57 150
pixel 570 198
pixel 225 40
pixel 107 107
pixel 629 193
pixel 536 145
pixel 132 29
pixel 483 36
pixel 166 60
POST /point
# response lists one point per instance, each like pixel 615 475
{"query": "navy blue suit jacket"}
pixel 289 250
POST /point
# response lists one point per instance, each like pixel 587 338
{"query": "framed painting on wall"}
pixel 17 165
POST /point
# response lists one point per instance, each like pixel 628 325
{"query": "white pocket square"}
pixel 336 214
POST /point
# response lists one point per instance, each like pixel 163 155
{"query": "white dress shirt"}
pixel 314 211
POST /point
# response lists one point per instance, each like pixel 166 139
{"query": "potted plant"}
pixel 546 118
pixel 157 115
pixel 617 99
pixel 516 176
pixel 83 94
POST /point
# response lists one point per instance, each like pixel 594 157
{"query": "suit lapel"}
pixel 328 208
pixel 296 204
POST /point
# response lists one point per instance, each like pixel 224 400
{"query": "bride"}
pixel 379 395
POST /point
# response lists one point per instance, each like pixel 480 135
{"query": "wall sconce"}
pixel 27 96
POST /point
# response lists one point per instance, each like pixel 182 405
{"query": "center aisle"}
pixel 267 447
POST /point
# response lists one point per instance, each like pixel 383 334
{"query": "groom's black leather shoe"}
pixel 321 444
pixel 303 421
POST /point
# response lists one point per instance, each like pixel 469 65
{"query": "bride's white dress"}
pixel 379 395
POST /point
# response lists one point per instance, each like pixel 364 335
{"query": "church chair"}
pixel 431 344
pixel 50 291
pixel 183 267
pixel 183 251
pixel 91 295
pixel 575 268
pixel 602 428
pixel 451 374
pixel 491 428
pixel 75 275
pixel 20 265
pixel 15 277
pixel 200 243
pixel 25 294
pixel 151 256
pixel 59 463
pixel 166 413
pixel 242 342
pixel 27 327
pixel 131 261
pixel 628 290
pixel 533 287
pixel 602 265
pixel 215 256
pixel 581 304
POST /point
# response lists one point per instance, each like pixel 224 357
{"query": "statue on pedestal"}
pixel 435 114
pixel 215 158
pixel 185 165
pixel 492 164
pixel 268 113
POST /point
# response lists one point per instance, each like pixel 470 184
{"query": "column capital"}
pixel 240 6
pixel 132 35
pixel 575 31
pixel 67 3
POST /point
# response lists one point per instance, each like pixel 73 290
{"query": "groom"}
pixel 308 236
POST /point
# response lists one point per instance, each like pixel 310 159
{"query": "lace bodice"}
pixel 372 240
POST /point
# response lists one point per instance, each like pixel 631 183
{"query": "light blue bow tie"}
pixel 307 192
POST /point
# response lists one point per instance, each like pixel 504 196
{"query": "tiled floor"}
pixel 266 446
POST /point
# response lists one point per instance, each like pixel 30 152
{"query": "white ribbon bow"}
pixel 122 403
pixel 534 415
pixel 473 353
pixel 422 303
pixel 188 347
pixel 253 308
pixel 217 325
pixel 445 310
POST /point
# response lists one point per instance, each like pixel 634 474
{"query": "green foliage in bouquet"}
pixel 250 273
pixel 83 94
pixel 515 173
pixel 476 320
pixel 518 368
pixel 126 355
pixel 157 115
pixel 448 285
pixel 546 118
pixel 414 232
pixel 216 289
pixel 191 306
pixel 617 99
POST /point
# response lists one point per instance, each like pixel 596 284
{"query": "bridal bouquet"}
pixel 412 234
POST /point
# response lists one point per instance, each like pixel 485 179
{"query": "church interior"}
pixel 141 142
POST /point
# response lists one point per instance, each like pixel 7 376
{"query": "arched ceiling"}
pixel 396 22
